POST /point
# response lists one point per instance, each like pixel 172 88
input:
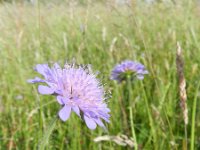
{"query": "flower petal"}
pixel 99 122
pixel 45 89
pixel 60 100
pixel 40 68
pixel 140 77
pixel 76 110
pixel 35 80
pixel 90 123
pixel 65 112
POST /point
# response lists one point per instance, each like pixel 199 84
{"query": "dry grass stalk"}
pixel 122 140
pixel 182 83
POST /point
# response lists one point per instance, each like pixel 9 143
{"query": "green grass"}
pixel 52 32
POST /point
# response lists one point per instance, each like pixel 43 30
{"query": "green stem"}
pixel 133 129
pixel 129 101
pixel 150 118
pixel 125 105
pixel 193 118
pixel 47 133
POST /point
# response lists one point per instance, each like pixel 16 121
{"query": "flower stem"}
pixel 133 129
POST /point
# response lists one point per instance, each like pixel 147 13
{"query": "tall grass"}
pixel 101 35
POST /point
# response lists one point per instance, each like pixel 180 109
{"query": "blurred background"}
pixel 101 33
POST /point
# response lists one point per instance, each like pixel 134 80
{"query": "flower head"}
pixel 128 68
pixel 76 89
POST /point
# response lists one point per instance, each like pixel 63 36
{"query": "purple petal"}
pixel 41 68
pixel 140 77
pixel 142 72
pixel 35 80
pixel 99 122
pixel 145 72
pixel 90 123
pixel 76 110
pixel 64 113
pixel 57 66
pixel 45 89
pixel 60 100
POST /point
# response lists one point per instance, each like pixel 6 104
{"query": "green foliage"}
pixel 101 35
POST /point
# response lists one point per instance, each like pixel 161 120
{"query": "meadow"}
pixel 101 34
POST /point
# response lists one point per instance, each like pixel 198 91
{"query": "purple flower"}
pixel 128 68
pixel 76 89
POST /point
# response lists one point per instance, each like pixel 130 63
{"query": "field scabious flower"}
pixel 77 89
pixel 128 68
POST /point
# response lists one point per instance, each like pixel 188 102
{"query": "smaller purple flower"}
pixel 76 89
pixel 130 69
